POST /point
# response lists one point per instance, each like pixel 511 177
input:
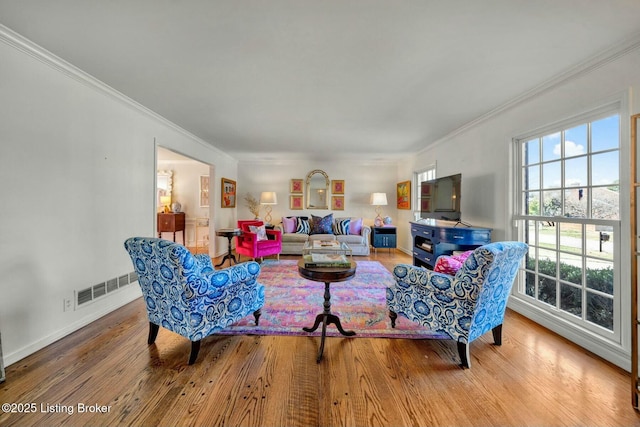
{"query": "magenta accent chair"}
pixel 248 244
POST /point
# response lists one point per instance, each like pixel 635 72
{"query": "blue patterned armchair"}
pixel 464 306
pixel 184 294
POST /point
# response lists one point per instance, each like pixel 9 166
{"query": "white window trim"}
pixel 617 351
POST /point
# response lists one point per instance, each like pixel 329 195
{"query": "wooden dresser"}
pixel 171 222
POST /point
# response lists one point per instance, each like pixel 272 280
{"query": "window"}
pixel 418 178
pixel 569 213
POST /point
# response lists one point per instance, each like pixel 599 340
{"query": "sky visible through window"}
pixel 605 165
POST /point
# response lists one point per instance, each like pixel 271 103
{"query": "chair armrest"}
pixel 365 231
pixel 277 234
pixel 204 262
pixel 433 282
pixel 210 285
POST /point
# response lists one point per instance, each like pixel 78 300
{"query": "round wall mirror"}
pixel 317 190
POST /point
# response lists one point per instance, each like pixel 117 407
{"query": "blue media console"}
pixel 432 238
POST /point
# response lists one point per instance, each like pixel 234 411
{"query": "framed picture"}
pixel 204 191
pixel 296 186
pixel 295 203
pixel 337 203
pixel 404 195
pixel 228 193
pixel 337 186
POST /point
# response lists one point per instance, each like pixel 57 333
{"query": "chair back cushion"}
pixel 491 270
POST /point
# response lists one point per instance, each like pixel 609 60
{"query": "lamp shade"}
pixel 268 198
pixel 165 200
pixel 379 199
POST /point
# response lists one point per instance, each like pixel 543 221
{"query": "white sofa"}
pixel 292 243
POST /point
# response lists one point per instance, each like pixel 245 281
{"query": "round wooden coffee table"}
pixel 327 275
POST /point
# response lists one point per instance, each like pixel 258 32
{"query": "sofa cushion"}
pixel 289 224
pixel 302 226
pixel 341 226
pixel 350 239
pixel 322 225
pixel 355 226
pixel 295 237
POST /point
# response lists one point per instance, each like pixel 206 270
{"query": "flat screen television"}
pixel 440 198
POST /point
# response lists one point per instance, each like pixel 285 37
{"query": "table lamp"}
pixel 165 201
pixel 268 198
pixel 377 200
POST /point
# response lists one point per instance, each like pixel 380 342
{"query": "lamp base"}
pixel 267 217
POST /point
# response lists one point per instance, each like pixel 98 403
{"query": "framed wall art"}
pixel 204 191
pixel 228 193
pixel 337 186
pixel 296 186
pixel 295 203
pixel 404 195
pixel 337 203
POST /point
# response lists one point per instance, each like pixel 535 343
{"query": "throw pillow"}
pixel 341 226
pixel 450 264
pixel 322 225
pixel 355 226
pixel 289 224
pixel 447 264
pixel 260 230
pixel 302 226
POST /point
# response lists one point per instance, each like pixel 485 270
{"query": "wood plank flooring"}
pixel 106 375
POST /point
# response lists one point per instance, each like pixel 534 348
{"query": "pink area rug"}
pixel 292 303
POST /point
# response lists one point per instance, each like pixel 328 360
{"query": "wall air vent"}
pixel 100 290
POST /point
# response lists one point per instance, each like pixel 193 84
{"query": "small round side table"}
pixel 229 233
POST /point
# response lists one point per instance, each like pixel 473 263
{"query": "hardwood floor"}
pixel 106 375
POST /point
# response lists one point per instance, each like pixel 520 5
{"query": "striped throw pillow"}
pixel 303 226
pixel 341 226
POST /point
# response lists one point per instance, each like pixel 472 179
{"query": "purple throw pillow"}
pixel 355 226
pixel 289 224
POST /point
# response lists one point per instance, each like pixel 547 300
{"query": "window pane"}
pixel 600 275
pixel 600 310
pixel 530 234
pixel 532 152
pixel 547 290
pixel 552 204
pixel 575 141
pixel 571 239
pixel 605 134
pixel 551 175
pixel 575 172
pixel 571 268
pixel 551 147
pixel 532 203
pixel 605 203
pixel 571 299
pixel 532 178
pixel 530 285
pixel 547 262
pixel 605 168
pixel 575 203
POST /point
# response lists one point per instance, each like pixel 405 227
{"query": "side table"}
pixel 327 275
pixel 383 237
pixel 229 233
pixel 171 222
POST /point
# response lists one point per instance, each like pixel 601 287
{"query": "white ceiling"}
pixel 321 78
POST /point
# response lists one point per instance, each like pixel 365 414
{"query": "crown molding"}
pixel 18 42
pixel 601 59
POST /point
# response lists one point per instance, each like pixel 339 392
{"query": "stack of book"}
pixel 326 260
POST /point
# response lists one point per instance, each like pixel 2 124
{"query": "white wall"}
pixel 483 154
pixel 360 181
pixel 78 169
